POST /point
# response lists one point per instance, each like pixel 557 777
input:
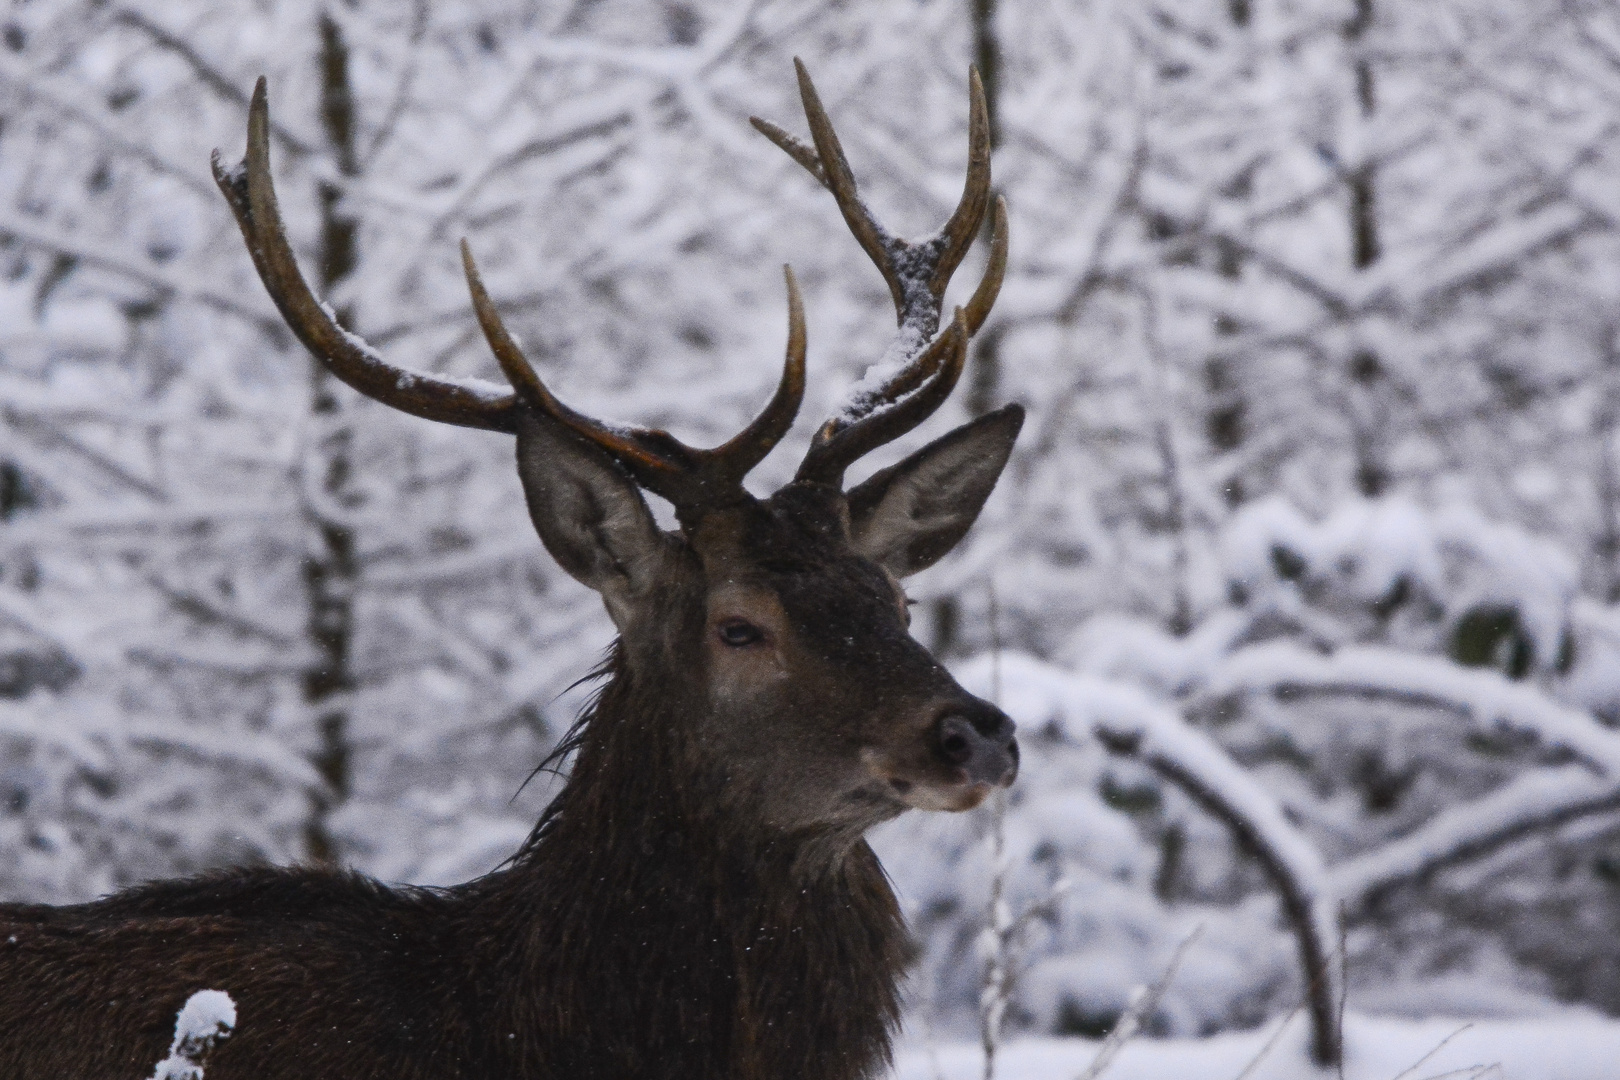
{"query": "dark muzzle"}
pixel 978 738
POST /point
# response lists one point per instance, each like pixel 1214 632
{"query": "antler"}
pixel 694 480
pixel 253 198
pixel 923 372
pixel 690 478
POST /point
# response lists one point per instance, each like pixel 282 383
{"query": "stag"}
pixel 698 901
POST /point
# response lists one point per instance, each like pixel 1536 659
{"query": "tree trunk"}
pixel 984 375
pixel 984 369
pixel 329 568
pixel 1366 370
pixel 1605 427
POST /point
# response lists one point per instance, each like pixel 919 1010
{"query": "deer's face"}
pixel 822 708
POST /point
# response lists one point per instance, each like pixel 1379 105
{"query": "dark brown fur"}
pixel 653 926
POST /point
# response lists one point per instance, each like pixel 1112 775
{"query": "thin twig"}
pixel 993 998
pixel 1276 1036
pixel 1143 1003
pixel 402 87
pixel 1469 1072
pixel 1270 1044
pixel 1418 1064
pixel 210 75
pixel 1344 984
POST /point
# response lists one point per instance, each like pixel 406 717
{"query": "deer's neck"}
pixel 657 937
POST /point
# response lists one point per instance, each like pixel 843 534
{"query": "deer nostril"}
pixel 982 745
pixel 956 739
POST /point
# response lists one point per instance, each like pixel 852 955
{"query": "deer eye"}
pixel 739 633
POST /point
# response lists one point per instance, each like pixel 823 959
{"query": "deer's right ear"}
pixel 590 515
pixel 906 517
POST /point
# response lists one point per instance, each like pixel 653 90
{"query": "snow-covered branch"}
pixel 1485 698
pixel 1534 803
pixel 1130 723
pixel 1195 764
pixel 167 285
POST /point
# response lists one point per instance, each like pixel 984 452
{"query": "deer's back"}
pixel 333 976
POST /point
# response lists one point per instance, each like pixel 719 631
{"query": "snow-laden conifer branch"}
pixel 44 427
pixel 95 748
pixel 133 267
pixel 91 113
pixel 208 73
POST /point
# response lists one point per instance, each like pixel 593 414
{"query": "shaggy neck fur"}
pixel 664 934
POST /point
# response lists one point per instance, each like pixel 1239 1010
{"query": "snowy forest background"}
pixel 1304 583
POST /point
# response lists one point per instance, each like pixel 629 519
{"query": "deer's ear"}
pixel 591 516
pixel 907 516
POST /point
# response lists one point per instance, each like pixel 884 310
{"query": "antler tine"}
pixel 252 197
pixel 655 471
pixel 756 440
pixel 839 443
pixel 963 226
pixel 690 478
pixel 984 297
pixel 917 275
pixel 879 244
pixel 904 265
pixel 978 309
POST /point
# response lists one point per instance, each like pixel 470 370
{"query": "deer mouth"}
pixel 947 798
pixel 950 789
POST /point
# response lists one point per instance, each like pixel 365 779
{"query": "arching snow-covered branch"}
pixel 1488 700
pixel 1128 722
pixel 1533 803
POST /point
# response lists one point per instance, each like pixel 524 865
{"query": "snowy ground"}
pixel 1380 1048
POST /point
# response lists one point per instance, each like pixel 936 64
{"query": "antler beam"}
pixel 252 197
pixel 691 478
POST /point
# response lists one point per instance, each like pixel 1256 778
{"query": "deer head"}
pixel 778 624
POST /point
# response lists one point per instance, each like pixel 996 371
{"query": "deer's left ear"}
pixel 906 517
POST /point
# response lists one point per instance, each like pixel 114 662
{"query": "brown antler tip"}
pixel 795 301
pixel 984 297
pixel 978 116
pixel 813 109
pixel 514 365
pixel 259 113
pixel 793 372
pixel 805 155
pixel 749 447
pixel 233 181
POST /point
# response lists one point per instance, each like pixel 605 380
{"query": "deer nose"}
pixel 979 741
